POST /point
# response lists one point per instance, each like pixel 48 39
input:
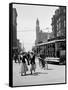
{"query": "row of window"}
pixel 52 47
pixel 59 27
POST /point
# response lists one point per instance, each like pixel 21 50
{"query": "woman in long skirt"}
pixel 24 67
pixel 33 65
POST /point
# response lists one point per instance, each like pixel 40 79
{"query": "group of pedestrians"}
pixel 27 59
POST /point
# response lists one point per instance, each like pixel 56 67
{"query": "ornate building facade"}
pixel 59 22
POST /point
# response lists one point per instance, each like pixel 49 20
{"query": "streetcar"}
pixel 54 50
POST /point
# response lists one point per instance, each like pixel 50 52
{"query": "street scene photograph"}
pixel 38 44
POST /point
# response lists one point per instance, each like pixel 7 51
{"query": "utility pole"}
pixel 48 31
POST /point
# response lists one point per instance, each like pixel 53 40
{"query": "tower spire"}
pixel 37 22
pixel 37 30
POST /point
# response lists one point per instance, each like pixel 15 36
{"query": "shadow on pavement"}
pixel 49 69
pixel 35 74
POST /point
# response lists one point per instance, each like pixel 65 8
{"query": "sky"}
pixel 26 22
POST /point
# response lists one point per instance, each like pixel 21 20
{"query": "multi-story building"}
pixel 40 35
pixel 14 28
pixel 59 22
pixel 59 28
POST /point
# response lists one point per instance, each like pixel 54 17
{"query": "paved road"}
pixel 54 74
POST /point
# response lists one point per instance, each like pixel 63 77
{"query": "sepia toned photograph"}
pixel 37 44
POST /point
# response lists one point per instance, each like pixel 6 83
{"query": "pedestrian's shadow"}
pixel 49 69
pixel 41 73
pixel 35 74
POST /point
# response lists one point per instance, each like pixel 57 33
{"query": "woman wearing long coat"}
pixel 33 64
pixel 24 68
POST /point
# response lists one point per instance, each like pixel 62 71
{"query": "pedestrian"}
pixel 24 67
pixel 42 60
pixel 28 58
pixel 19 58
pixel 46 63
pixel 15 57
pixel 32 62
